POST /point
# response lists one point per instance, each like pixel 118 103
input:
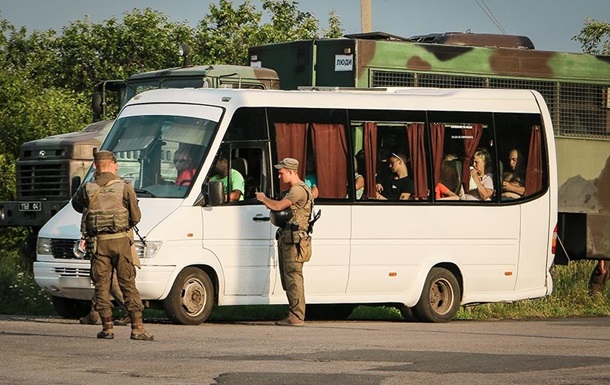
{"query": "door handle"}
pixel 261 218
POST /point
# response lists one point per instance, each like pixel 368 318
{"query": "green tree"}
pixel 594 38
pixel 145 40
pixel 224 35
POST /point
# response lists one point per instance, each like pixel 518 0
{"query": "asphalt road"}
pixel 559 351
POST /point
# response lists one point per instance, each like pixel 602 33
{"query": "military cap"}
pixel 288 163
pixel 103 155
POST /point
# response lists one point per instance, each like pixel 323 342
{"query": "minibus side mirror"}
pixel 216 193
pixel 75 184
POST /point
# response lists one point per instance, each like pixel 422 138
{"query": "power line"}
pixel 490 14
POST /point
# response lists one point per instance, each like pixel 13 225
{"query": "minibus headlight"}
pixel 150 250
pixel 44 246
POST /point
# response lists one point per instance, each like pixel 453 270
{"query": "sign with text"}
pixel 344 62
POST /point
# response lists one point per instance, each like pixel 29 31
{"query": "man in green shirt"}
pixel 236 192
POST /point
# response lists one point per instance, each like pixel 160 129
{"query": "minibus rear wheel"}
pixel 440 297
pixel 191 299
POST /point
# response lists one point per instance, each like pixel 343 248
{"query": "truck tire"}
pixel 191 299
pixel 440 297
pixel 71 308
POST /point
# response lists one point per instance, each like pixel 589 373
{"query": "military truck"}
pixel 575 86
pixel 50 169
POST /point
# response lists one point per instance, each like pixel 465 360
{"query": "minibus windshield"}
pixel 160 155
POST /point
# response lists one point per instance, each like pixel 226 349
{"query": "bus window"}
pixel 321 131
pixel 391 146
pixel 520 151
pixel 462 144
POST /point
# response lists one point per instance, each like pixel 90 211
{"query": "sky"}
pixel 550 24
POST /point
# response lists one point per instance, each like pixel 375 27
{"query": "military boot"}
pixel 93 318
pixel 107 329
pixel 137 328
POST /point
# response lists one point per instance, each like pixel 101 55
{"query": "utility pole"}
pixel 365 16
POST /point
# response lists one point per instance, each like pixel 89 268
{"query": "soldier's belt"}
pixel 105 237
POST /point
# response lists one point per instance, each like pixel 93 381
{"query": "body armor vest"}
pixel 106 212
pixel 302 216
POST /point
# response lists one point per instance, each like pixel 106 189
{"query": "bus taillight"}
pixel 554 244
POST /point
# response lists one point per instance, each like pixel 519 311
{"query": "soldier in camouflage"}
pixel 110 209
pixel 294 240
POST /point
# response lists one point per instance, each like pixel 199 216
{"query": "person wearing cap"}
pixel 110 210
pixel 294 240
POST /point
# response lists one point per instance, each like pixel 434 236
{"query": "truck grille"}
pixel 43 181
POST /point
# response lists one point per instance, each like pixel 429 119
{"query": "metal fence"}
pixel 577 109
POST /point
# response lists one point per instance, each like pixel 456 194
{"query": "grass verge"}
pixel 20 295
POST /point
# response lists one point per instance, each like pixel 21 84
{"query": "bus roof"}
pixel 383 98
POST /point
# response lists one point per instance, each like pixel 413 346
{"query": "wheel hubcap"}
pixel 441 296
pixel 193 297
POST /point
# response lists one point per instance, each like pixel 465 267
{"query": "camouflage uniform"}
pixel 294 248
pixel 110 208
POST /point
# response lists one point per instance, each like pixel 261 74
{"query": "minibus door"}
pixel 241 237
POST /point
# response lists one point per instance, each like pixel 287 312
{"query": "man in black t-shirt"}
pixel 400 185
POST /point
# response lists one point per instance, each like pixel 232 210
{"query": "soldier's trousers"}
pixel 115 254
pixel 291 273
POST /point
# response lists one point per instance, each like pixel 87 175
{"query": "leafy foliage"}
pixel 47 79
pixel 594 38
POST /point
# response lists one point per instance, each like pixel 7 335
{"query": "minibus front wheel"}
pixel 440 297
pixel 191 299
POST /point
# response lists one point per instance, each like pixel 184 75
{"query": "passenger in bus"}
pixel 359 184
pixel 481 179
pixel 237 180
pixel 183 161
pixel 512 179
pixel 400 185
pixel 359 168
pixel 310 176
pixel 383 174
pixel 449 180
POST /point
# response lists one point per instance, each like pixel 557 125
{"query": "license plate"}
pixel 75 283
pixel 29 206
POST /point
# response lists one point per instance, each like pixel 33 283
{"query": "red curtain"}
pixel 370 158
pixel 437 136
pixel 291 143
pixel 415 133
pixel 330 150
pixel 533 174
pixel 472 137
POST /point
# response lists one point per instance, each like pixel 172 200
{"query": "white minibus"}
pixel 445 241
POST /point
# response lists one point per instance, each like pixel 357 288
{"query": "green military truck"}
pixel 575 86
pixel 50 169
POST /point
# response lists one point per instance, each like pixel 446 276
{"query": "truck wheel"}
pixel 71 308
pixel 440 298
pixel 191 299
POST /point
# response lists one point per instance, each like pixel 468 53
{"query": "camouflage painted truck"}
pixel 575 87
pixel 50 169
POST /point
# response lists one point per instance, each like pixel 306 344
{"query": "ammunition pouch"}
pixel 107 221
pixel 91 246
